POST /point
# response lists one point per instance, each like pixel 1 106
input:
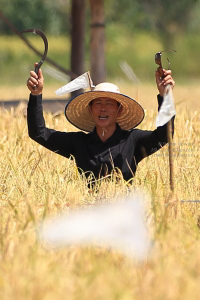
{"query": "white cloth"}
pixel 167 109
pixel 82 82
pixel 120 226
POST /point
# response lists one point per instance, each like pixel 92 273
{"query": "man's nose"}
pixel 103 107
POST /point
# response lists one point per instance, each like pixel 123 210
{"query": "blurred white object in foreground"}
pixel 119 226
pixel 167 109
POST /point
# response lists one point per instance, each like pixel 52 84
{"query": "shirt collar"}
pixel 117 135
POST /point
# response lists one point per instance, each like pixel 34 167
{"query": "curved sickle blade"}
pixel 158 61
pixel 43 36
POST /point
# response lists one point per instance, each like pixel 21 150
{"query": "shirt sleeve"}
pixel 148 142
pixel 56 141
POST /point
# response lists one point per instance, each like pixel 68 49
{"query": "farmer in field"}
pixel 110 118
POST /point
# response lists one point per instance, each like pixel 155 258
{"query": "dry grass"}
pixel 35 183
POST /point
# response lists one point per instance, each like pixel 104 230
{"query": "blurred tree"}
pixel 170 17
pixel 129 13
pixel 97 41
pixel 167 17
pixel 23 14
pixel 48 15
pixel 77 38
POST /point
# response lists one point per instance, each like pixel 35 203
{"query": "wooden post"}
pixel 97 41
pixel 77 38
pixel 171 163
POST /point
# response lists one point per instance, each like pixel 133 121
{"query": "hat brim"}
pixel 77 110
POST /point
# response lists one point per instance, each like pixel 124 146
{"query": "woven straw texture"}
pixel 77 110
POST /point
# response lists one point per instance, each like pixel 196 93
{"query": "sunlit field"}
pixel 36 184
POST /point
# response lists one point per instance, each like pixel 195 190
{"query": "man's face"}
pixel 105 111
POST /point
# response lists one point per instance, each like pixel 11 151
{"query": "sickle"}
pixel 158 61
pixel 43 36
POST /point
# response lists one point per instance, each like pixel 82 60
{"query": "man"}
pixel 109 117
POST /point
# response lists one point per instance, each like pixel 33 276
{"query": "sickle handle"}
pixel 38 66
pixel 158 62
pixel 160 70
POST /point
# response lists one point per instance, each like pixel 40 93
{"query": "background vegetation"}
pixel 135 31
pixel 138 50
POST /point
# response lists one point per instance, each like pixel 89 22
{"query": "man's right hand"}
pixel 35 83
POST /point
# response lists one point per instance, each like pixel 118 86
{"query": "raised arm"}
pixel 149 142
pixel 59 142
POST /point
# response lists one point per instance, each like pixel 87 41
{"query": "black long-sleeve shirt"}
pixel 123 150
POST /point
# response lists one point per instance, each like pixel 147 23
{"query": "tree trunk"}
pixel 77 38
pixel 97 41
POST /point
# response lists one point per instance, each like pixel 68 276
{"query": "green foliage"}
pixel 131 14
pixel 166 17
pixel 171 17
pixel 135 31
pixel 49 16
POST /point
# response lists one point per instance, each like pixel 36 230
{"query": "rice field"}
pixel 36 184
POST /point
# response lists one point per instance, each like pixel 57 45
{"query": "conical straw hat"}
pixel 77 110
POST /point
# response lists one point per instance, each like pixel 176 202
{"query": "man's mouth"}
pixel 103 117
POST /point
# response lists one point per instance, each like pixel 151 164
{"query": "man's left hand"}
pixel 163 82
